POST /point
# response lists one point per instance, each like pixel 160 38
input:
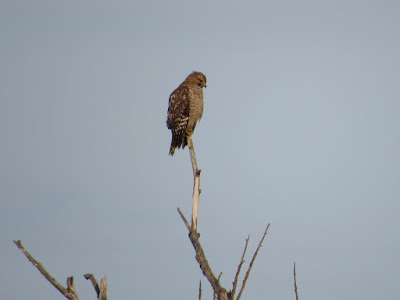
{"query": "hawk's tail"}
pixel 178 140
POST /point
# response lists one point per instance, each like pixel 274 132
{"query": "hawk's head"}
pixel 197 78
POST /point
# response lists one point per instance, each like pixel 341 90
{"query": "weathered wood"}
pixel 103 289
pixel 68 292
pixel 184 220
pixel 239 268
pixel 203 263
pixel 252 262
pixel 196 185
pixel 219 291
pixel 200 291
pixel 90 277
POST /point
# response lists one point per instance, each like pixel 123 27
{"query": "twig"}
pixel 94 283
pixel 295 281
pixel 219 277
pixel 200 291
pixel 68 292
pixel 196 186
pixel 184 220
pixel 251 263
pixel 239 267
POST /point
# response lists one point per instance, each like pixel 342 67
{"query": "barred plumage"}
pixel 185 109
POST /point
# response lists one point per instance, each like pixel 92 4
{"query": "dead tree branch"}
pixel 103 288
pixel 200 291
pixel 219 291
pixel 100 291
pixel 295 281
pixel 68 292
pixel 252 262
pixel 94 283
pixel 239 267
pixel 184 220
pixel 202 260
pixel 196 186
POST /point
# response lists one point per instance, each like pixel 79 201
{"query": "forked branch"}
pixel 219 291
pixel 202 260
pixel 69 292
pixel 252 262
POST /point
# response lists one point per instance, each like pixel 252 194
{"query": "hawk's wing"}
pixel 178 115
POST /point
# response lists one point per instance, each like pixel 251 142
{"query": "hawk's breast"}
pixel 196 104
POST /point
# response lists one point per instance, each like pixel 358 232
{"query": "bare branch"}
pixel 68 292
pixel 295 281
pixel 201 259
pixel 219 291
pixel 251 263
pixel 94 283
pixel 203 263
pixel 70 285
pixel 103 289
pixel 192 156
pixel 200 291
pixel 239 267
pixel 184 220
pixel 196 186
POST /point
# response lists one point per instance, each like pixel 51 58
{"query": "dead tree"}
pixel 221 292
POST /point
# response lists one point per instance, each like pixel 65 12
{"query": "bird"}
pixel 185 109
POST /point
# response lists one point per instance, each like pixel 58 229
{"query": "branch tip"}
pixel 295 281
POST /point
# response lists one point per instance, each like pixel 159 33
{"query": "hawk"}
pixel 185 109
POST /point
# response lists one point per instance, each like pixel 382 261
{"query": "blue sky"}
pixel 300 129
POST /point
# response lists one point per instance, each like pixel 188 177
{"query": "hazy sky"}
pixel 301 129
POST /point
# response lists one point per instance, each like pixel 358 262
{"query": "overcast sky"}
pixel 300 128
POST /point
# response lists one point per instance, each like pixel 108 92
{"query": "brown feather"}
pixel 185 109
